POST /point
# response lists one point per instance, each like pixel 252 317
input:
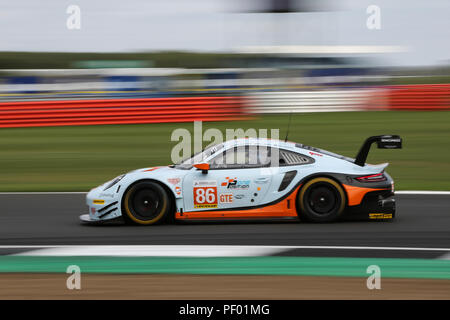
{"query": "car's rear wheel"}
pixel 321 200
pixel 146 203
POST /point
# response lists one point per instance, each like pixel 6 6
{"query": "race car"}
pixel 252 178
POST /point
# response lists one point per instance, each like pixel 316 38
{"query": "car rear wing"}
pixel 383 142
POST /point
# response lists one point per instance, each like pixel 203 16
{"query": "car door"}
pixel 233 181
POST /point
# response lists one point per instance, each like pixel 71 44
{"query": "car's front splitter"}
pixel 86 219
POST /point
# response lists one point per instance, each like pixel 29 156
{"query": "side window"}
pixel 256 157
pixel 241 157
pixel 230 158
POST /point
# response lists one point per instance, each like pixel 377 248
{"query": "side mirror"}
pixel 202 166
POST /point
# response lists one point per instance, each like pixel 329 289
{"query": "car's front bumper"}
pixel 102 206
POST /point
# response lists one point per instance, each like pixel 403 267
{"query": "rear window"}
pixel 328 153
pixel 290 158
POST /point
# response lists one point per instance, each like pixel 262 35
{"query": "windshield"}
pixel 199 157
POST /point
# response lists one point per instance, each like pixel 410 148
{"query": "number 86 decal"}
pixel 205 197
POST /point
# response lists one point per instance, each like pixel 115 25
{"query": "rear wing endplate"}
pixel 383 142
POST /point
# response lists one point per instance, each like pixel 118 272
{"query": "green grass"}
pixel 79 158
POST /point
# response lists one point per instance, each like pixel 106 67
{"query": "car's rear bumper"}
pixel 375 205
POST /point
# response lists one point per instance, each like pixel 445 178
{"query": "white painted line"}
pixel 444 257
pixel 423 192
pixel 37 246
pixel 184 250
pixel 155 251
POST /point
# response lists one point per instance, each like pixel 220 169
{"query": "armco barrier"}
pixel 118 111
pixel 419 97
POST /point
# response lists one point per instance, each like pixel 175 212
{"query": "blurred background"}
pixel 68 64
pixel 93 89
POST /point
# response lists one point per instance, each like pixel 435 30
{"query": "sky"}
pixel 423 27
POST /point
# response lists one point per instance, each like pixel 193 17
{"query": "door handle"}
pixel 261 180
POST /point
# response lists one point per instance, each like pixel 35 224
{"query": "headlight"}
pixel 113 182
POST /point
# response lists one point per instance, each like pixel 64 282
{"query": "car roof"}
pixel 282 144
pixel 259 141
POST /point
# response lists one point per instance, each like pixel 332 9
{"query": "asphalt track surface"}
pixel 53 219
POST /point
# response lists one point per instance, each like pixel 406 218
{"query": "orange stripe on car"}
pixel 152 169
pixel 284 208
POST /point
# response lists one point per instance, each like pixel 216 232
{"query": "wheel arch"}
pixel 328 175
pixel 159 182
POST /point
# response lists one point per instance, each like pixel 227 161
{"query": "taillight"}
pixel 372 178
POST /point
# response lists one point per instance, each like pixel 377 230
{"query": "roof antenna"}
pixel 289 125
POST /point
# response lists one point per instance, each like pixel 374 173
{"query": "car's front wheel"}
pixel 146 203
pixel 321 200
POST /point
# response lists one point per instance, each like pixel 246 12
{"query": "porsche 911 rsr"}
pixel 252 178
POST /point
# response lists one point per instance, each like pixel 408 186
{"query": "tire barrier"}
pixel 119 111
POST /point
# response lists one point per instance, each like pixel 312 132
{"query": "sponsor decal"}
pixel 224 184
pixel 391 140
pixel 213 150
pixel 107 195
pixel 98 201
pixel 380 215
pixel 226 198
pixel 178 191
pixel 315 154
pixel 239 196
pixel 236 184
pixel 93 210
pixel 205 194
pixel 174 181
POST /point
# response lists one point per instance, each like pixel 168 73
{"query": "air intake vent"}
pixel 287 179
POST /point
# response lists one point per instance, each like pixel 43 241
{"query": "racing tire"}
pixel 146 203
pixel 321 200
